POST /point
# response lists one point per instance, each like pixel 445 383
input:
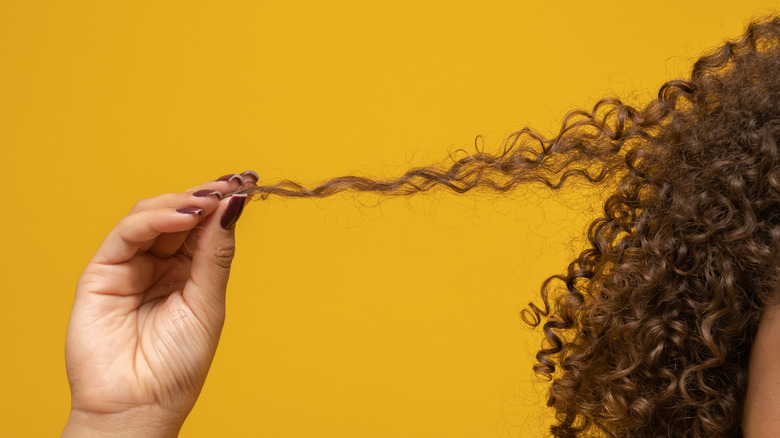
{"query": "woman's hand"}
pixel 148 313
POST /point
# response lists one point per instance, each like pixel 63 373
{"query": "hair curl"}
pixel 650 329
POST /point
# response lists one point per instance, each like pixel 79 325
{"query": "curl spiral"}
pixel 649 331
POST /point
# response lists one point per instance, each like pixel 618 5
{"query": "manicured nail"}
pixel 251 174
pixel 204 193
pixel 231 177
pixel 233 211
pixel 191 210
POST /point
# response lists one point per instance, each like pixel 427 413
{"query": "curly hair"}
pixel 649 331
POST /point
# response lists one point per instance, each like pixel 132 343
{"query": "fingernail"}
pixel 204 193
pixel 251 174
pixel 191 210
pixel 230 177
pixel 233 211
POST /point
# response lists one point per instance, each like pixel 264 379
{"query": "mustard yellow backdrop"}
pixel 344 319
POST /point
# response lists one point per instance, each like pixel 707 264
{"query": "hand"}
pixel 148 313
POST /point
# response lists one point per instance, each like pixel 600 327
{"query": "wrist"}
pixel 139 422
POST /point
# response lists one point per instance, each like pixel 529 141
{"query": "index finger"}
pixel 133 231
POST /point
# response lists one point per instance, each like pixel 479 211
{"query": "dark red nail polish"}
pixel 191 210
pixel 230 177
pixel 251 174
pixel 233 211
pixel 204 193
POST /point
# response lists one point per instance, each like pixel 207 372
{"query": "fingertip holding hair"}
pixel 233 211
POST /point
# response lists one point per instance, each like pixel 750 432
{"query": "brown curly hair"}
pixel 650 329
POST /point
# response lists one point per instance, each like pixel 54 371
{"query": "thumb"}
pixel 215 248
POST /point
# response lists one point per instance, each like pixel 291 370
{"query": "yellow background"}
pixel 344 319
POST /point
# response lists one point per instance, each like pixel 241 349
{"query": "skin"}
pixel 147 316
pixel 762 402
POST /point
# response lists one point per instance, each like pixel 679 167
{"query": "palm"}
pixel 143 335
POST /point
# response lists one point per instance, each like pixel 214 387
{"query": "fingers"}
pixel 160 224
pixel 166 245
pixel 169 244
pixel 138 231
pixel 214 251
pixel 218 188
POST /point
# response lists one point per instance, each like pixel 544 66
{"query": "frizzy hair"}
pixel 649 331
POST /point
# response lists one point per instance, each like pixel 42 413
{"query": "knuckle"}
pixel 122 225
pixel 224 254
pixel 139 206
